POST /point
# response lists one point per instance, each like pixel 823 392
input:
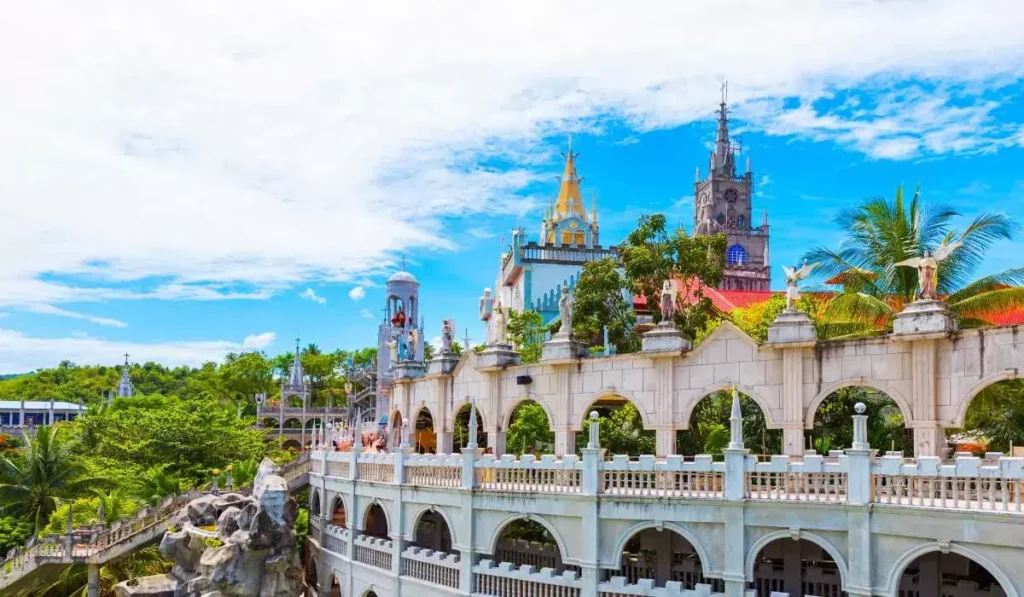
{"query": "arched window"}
pixel 741 222
pixel 736 255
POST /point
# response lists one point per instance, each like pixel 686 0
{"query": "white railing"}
pixel 528 553
pixel 619 586
pixel 336 539
pixel 338 464
pixel 379 468
pixel 964 484
pixel 808 480
pixel 434 470
pixel 529 474
pixel 671 477
pixel 373 551
pixel 431 566
pixel 506 580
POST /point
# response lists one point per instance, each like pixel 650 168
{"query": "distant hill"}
pixel 4 376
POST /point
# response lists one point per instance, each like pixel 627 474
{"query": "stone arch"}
pixel 335 588
pixel 292 423
pixel 492 543
pixel 420 439
pixel 698 546
pixel 291 444
pixel 861 382
pixel 825 544
pixel 769 418
pixel 506 418
pixel 436 511
pixel 893 579
pixel 315 503
pixel 269 423
pixel 450 423
pixel 370 509
pixel 577 425
pixel 965 399
pixel 337 516
pixel 368 592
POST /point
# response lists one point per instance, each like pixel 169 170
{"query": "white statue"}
pixel 668 301
pixel 486 305
pixel 392 345
pixel 928 269
pixel 499 320
pixel 565 311
pixel 793 277
pixel 447 333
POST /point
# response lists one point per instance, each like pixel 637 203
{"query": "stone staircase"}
pixel 99 545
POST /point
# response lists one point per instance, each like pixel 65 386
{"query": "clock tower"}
pixel 722 203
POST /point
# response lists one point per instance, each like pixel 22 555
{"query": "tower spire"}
pixel 569 202
pixel 723 157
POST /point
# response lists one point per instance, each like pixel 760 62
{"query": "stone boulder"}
pixel 161 585
pixel 202 511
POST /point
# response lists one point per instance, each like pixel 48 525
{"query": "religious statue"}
pixel 414 336
pixel 928 269
pixel 399 319
pixel 565 311
pixel 447 332
pixel 668 301
pixel 393 349
pixel 793 277
pixel 403 347
pixel 500 329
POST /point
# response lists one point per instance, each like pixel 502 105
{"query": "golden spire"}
pixel 569 201
pixel 593 212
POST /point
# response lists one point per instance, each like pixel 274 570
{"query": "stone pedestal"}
pixel 665 338
pixel 497 355
pixel 792 327
pixel 408 369
pixel 443 363
pixel 563 347
pixel 924 318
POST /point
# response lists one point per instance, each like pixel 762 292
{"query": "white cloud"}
pixel 204 165
pixel 308 294
pixel 357 293
pixel 365 314
pixel 20 353
pixel 51 310
pixel 259 341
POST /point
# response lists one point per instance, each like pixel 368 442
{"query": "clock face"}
pixel 731 195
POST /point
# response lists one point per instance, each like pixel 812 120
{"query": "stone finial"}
pixel 595 431
pixel 71 524
pixel 472 424
pixel 860 428
pixel 736 422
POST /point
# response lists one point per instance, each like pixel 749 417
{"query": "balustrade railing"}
pixel 811 479
pixel 506 580
pixel 431 566
pixel 379 468
pixel 434 470
pixel 529 474
pixel 338 464
pixel 373 551
pixel 336 539
pixel 619 586
pixel 672 477
pixel 965 484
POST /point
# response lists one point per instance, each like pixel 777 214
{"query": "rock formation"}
pixel 230 545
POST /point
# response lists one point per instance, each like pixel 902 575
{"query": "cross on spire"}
pixel 126 358
pixel 465 341
pixel 725 91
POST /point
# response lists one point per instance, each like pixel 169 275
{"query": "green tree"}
pixel 710 418
pixel 622 432
pixel 599 303
pixel 529 427
pixel 14 532
pixel 155 483
pixel 833 422
pixel 117 505
pixel 45 474
pixel 881 233
pixel 428 351
pixel 245 375
pixel 526 330
pixel 997 413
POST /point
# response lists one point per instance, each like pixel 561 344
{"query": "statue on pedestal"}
pixel 793 277
pixel 668 301
pixel 928 269
pixel 565 311
pixel 447 333
pixel 414 337
pixel 393 349
pixel 500 323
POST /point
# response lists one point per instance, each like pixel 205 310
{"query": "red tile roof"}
pixel 724 301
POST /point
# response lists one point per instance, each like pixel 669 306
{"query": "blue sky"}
pixel 260 184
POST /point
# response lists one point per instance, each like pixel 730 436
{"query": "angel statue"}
pixel 793 277
pixel 447 332
pixel 500 322
pixel 668 301
pixel 565 311
pixel 928 269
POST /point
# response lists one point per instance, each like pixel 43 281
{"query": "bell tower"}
pixel 723 203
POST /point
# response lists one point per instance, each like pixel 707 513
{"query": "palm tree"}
pixel 46 474
pixel 73 580
pixel 156 483
pixel 882 233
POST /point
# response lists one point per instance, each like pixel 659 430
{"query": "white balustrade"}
pixel 532 553
pixel 619 586
pixel 336 539
pixel 808 480
pixel 507 580
pixel 431 566
pixel 373 551
pixel 965 484
pixel 529 474
pixel 379 468
pixel 434 470
pixel 671 477
pixel 338 464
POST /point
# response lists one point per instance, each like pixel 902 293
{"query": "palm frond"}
pixel 1010 277
pixel 990 303
pixel 856 307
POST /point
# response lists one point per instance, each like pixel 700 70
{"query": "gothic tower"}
pixel 723 203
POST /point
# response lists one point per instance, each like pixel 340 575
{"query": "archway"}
pixel 523 541
pixel 395 437
pixel 314 503
pixel 831 426
pixel 292 444
pixel 432 532
pixel 339 517
pixel 460 433
pixel 662 555
pixel 376 523
pixel 292 424
pixel 314 422
pixel 993 420
pixel 529 430
pixel 797 567
pixel 708 431
pixel 369 593
pixel 268 423
pixel 293 401
pixel 622 427
pixel 335 587
pixel 950 569
pixel 425 439
pixel 311 576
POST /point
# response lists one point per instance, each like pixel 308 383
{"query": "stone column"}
pixel 792 566
pixel 465 520
pixel 590 558
pixel 664 404
pixel 929 435
pixel 94 580
pixel 565 436
pixel 734 488
pixel 792 332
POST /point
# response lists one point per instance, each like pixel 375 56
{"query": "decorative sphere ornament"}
pixel 216 472
pixel 860 408
pixel 593 415
pixel 229 468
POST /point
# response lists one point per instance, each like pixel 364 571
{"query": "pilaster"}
pixel 929 436
pixel 565 436
pixel 665 403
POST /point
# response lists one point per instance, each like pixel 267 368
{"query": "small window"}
pixel 736 255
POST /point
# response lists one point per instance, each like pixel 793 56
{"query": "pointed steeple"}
pixel 723 158
pixel 124 387
pixel 296 375
pixel 569 201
